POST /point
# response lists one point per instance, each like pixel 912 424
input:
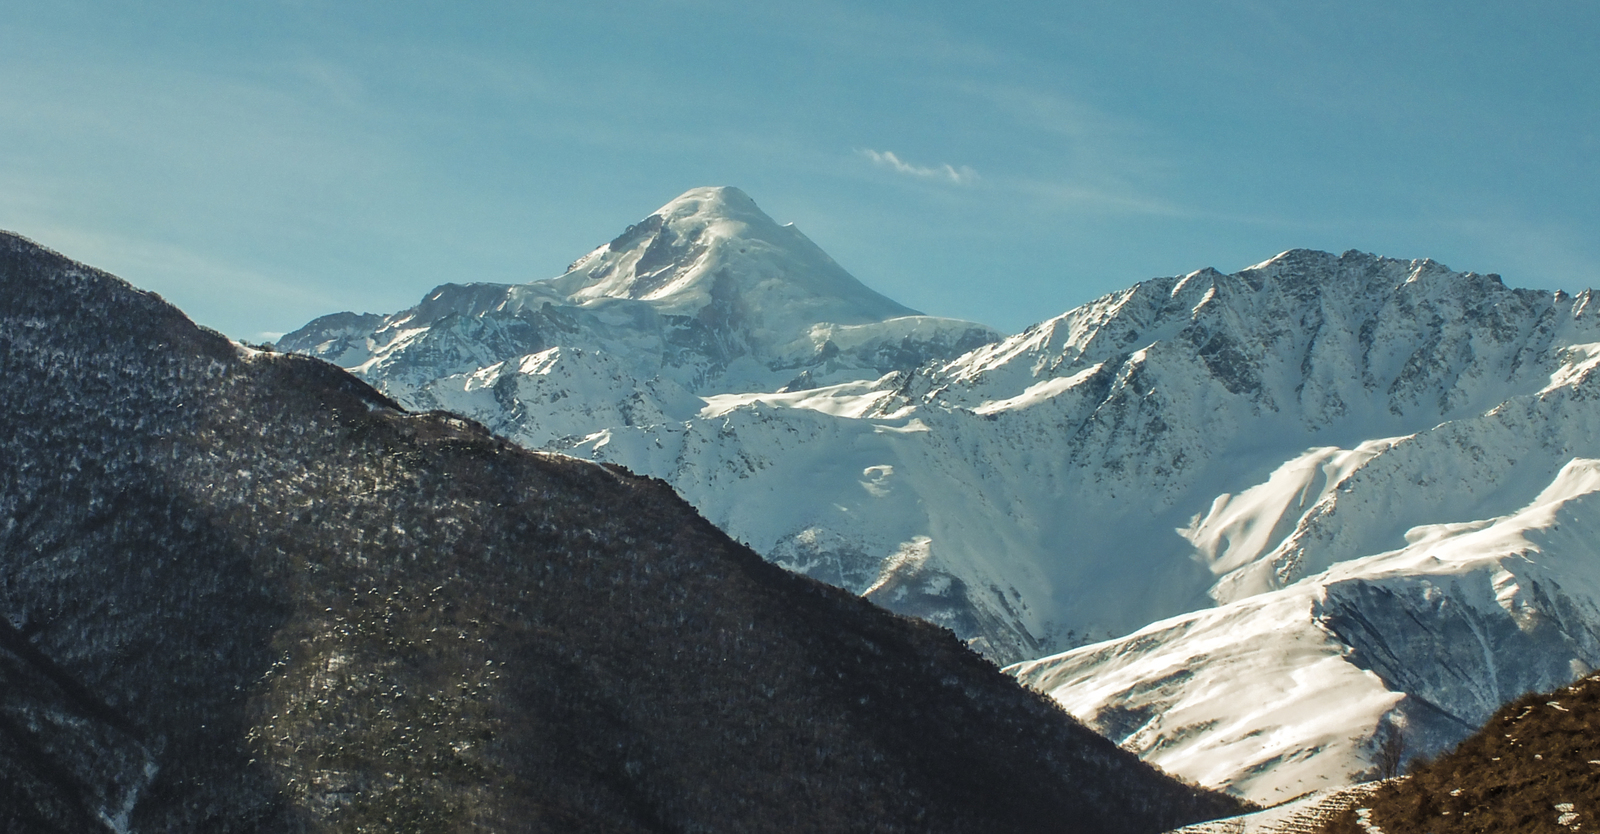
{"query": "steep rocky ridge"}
pixel 245 591
pixel 1429 573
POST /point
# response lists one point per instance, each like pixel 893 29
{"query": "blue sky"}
pixel 262 163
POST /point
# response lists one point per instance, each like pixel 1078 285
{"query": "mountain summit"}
pixel 706 295
pixel 714 246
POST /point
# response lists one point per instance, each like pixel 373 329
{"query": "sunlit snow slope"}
pixel 1293 690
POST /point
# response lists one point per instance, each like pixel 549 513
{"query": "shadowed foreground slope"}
pixel 1533 769
pixel 244 592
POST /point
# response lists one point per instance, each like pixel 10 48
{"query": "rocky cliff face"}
pixel 245 591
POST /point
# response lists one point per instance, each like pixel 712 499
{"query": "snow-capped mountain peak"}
pixel 715 244
pixel 707 295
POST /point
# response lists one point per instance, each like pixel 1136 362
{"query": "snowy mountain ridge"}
pixel 1190 446
pixel 1201 388
pixel 705 294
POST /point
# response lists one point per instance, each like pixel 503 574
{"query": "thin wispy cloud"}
pixel 946 172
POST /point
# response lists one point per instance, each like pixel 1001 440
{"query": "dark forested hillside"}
pixel 245 592
pixel 1533 769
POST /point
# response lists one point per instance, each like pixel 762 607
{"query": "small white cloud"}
pixel 949 173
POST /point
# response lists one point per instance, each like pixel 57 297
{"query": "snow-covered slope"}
pixel 1279 693
pixel 1301 815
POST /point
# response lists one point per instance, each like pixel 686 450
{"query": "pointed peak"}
pixel 715 242
pixel 720 207
pixel 700 216
pixel 1296 257
pixel 715 199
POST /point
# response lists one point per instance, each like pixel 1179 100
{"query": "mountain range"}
pixel 244 591
pixel 1349 491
